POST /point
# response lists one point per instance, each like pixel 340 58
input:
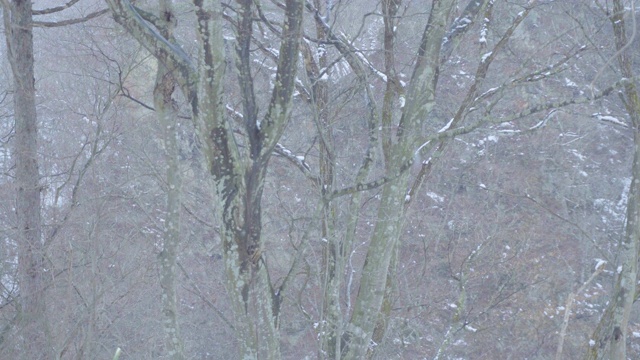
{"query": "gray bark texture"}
pixel 18 19
pixel 420 100
pixel 609 340
pixel 238 176
pixel 167 117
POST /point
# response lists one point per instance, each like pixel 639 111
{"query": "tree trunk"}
pixel 609 338
pixel 18 19
pixel 317 71
pixel 374 275
pixel 238 173
pixel 166 114
pixel 398 151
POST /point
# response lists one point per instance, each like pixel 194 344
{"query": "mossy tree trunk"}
pixel 399 149
pixel 238 173
pixel 166 113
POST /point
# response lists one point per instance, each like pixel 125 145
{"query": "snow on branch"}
pixel 365 61
pixel 538 75
pixel 610 119
pixel 484 121
pixel 544 121
pixel 297 160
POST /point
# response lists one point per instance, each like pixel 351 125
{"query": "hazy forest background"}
pixel 319 179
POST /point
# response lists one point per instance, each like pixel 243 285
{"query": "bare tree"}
pixel 402 141
pixel 609 340
pixel 19 37
pixel 238 176
pixel 166 110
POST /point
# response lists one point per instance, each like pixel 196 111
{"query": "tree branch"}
pixel 126 15
pixel 486 120
pixel 55 9
pixel 50 24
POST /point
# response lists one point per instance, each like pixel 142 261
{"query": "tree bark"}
pixel 238 175
pixel 317 71
pixel 167 118
pixel 609 338
pixel 399 149
pixel 19 34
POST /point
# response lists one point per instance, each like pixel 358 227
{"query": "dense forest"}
pixel 319 179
